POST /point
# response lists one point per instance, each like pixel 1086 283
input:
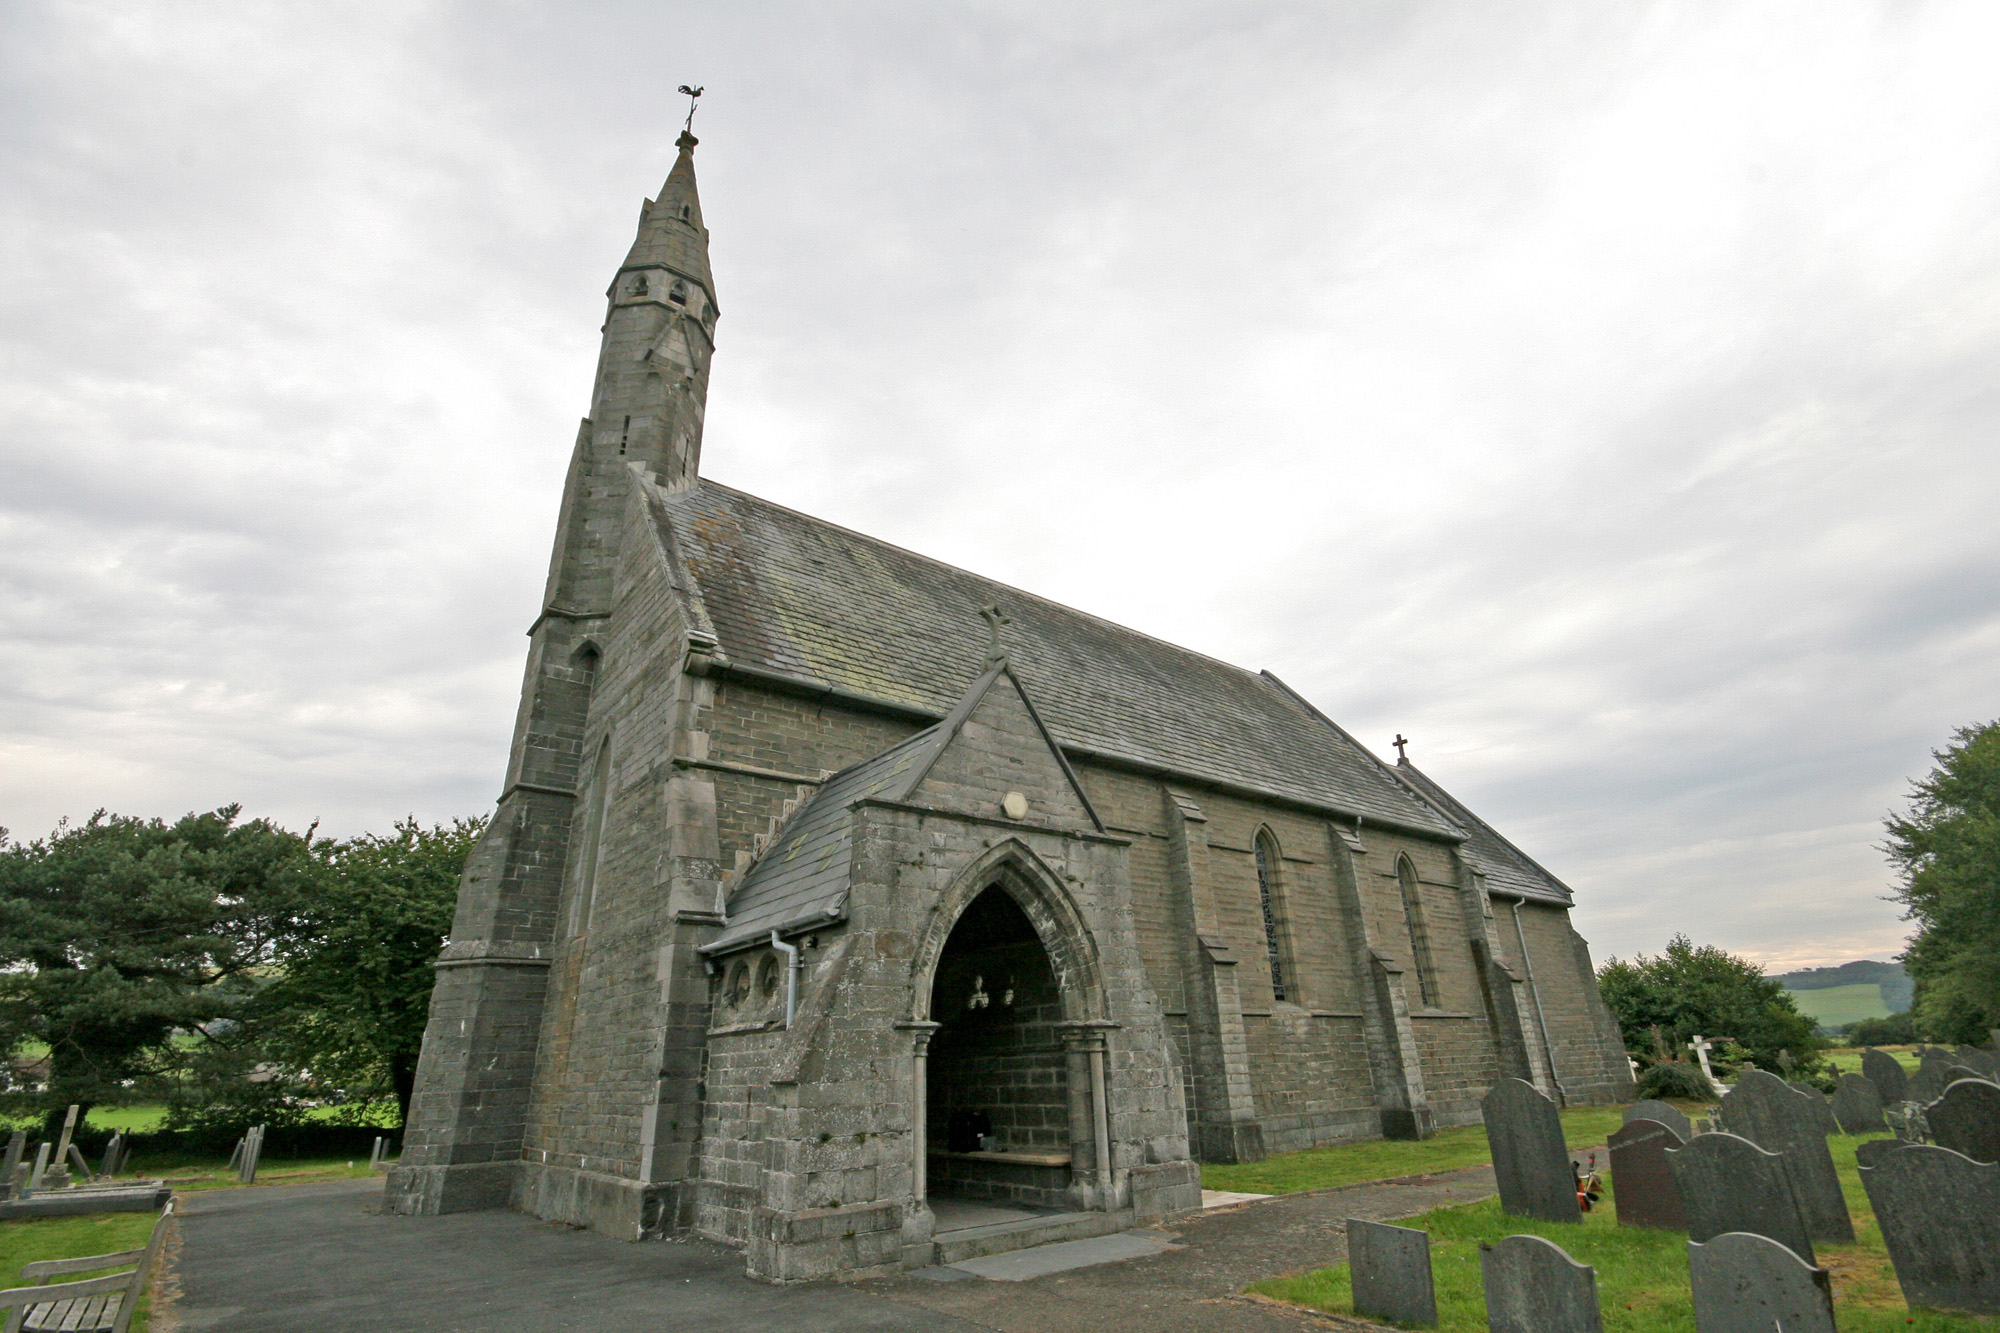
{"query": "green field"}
pixel 1837 1005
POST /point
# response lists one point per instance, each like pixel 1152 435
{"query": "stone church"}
pixel 866 913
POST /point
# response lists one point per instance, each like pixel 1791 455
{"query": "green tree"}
pixel 1947 852
pixel 1690 990
pixel 353 986
pixel 119 932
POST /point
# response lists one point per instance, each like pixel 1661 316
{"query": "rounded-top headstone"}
pixel 1886 1074
pixel 1777 1117
pixel 1728 1183
pixel 1533 1286
pixel 1666 1113
pixel 1967 1119
pixel 1642 1183
pixel 1940 1218
pixel 1857 1106
pixel 1531 1162
pixel 1746 1283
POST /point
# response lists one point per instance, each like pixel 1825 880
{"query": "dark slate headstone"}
pixel 1391 1271
pixel 1642 1184
pixel 1856 1105
pixel 1775 1117
pixel 1729 1184
pixel 1745 1283
pixel 1967 1119
pixel 1533 1287
pixel 1872 1152
pixel 1940 1218
pixel 1888 1077
pixel 1930 1080
pixel 1821 1106
pixel 1665 1113
pixel 1957 1071
pixel 1530 1159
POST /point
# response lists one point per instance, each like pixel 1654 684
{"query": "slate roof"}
pixel 1508 869
pixel 793 594
pixel 802 875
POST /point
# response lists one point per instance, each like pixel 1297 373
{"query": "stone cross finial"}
pixel 995 618
pixel 1401 741
pixel 693 95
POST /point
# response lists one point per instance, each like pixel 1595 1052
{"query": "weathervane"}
pixel 1401 741
pixel 994 620
pixel 693 96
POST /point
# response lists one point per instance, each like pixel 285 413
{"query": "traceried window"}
pixel 1420 934
pixel 1267 894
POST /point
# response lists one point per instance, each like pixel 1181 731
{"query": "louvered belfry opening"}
pixel 998 1079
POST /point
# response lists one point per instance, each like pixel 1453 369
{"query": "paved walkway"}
pixel 324 1258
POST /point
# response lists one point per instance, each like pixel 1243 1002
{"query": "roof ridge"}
pixel 1250 673
pixel 1462 811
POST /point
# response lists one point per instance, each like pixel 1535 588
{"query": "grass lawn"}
pixel 1642 1276
pixel 1383 1159
pixel 1847 1059
pixel 25 1242
pixel 208 1174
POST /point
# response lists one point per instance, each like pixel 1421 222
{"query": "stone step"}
pixel 952 1247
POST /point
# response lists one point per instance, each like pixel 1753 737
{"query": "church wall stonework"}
pixel 604 1052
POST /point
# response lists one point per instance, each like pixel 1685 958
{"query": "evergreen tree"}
pixel 119 933
pixel 1947 853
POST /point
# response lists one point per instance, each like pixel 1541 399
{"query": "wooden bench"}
pixel 95 1305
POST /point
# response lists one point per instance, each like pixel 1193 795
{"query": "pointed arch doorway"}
pixel 1001 1097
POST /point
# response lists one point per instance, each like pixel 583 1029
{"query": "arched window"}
pixel 1267 894
pixel 1420 934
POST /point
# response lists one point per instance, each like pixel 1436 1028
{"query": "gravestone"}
pixel 1763 1109
pixel 1888 1077
pixel 1729 1184
pixel 1930 1080
pixel 1821 1106
pixel 1872 1152
pixel 1642 1184
pixel 1745 1283
pixel 1940 1218
pixel 17 1143
pixel 1967 1119
pixel 1857 1106
pixel 1390 1268
pixel 1530 1159
pixel 1532 1286
pixel 1665 1113
pixel 1956 1071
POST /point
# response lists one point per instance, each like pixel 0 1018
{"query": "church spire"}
pixel 659 334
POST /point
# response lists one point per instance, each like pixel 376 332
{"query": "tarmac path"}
pixel 326 1259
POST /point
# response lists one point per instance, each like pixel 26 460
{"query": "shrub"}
pixel 1676 1080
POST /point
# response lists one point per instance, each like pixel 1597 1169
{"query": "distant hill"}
pixel 1853 982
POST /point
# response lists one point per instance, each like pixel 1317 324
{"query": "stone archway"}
pixel 1006 999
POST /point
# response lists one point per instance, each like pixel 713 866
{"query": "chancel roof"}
pixel 794 595
pixel 1507 868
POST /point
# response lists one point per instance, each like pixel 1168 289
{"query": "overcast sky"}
pixel 1601 395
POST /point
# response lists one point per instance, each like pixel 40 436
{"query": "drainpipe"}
pixel 1535 989
pixel 791 952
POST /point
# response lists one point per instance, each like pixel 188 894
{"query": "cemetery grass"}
pixel 1642 1275
pixel 1385 1159
pixel 28 1241
pixel 210 1173
pixel 1847 1059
